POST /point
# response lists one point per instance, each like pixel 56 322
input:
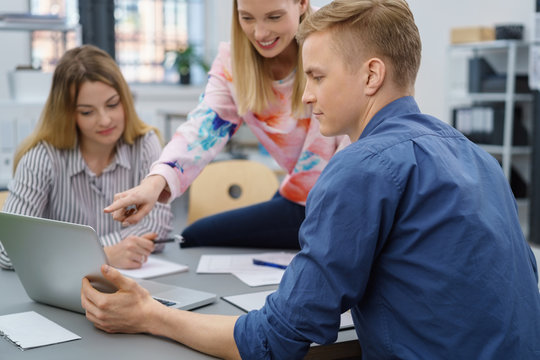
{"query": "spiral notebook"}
pixel 29 330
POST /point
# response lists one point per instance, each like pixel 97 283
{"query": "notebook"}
pixel 51 258
pixel 29 330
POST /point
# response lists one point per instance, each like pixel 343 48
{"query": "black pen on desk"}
pixel 266 263
pixel 162 241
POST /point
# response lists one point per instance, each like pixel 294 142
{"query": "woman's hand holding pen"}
pixel 132 252
pixel 130 206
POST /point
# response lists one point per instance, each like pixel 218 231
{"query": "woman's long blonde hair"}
pixel 251 74
pixel 57 124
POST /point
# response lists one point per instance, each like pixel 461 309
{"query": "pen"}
pixel 162 241
pixel 266 263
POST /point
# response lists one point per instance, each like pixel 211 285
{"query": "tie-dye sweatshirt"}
pixel 294 142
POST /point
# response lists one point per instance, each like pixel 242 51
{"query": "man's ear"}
pixel 376 69
pixel 304 4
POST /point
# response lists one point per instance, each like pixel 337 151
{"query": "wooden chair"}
pixel 3 197
pixel 226 185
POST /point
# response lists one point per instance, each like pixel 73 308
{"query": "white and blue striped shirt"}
pixel 57 184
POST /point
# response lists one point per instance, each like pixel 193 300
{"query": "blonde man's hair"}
pixel 365 28
pixel 57 124
pixel 251 74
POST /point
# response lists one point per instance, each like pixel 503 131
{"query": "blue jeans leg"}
pixel 270 224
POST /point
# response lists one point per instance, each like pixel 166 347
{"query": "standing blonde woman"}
pixel 256 80
pixel 88 145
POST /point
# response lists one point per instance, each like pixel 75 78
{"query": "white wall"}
pixel 218 25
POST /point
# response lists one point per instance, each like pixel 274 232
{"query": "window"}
pixel 144 31
pixel 48 46
pixel 147 29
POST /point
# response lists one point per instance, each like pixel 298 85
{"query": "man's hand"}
pixel 130 206
pixel 132 252
pixel 131 309
pixel 122 311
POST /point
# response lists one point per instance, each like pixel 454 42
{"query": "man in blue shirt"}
pixel 412 226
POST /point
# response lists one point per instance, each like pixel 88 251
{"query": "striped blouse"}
pixel 57 184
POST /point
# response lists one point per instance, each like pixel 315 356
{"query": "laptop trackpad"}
pixel 154 287
pixel 184 298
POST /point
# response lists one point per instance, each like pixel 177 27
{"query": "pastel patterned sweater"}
pixel 294 142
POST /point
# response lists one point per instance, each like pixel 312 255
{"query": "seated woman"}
pixel 88 145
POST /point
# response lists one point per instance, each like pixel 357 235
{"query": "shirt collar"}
pixel 404 105
pixel 76 164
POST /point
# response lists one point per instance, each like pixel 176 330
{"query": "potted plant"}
pixel 184 58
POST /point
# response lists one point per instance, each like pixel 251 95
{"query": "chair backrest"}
pixel 3 197
pixel 226 185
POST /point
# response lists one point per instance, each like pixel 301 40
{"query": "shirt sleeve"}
pixel 159 218
pixel 29 189
pixel 348 214
pixel 208 128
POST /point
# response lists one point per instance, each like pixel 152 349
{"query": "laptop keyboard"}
pixel 165 302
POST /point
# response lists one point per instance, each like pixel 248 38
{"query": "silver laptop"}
pixel 52 257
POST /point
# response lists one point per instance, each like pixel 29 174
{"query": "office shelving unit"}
pixel 506 54
pixel 506 151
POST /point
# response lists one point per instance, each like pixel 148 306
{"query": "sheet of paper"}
pixel 216 264
pixel 280 258
pixel 30 330
pixel 155 267
pixel 243 268
pixel 256 300
pixel 225 264
pixel 260 277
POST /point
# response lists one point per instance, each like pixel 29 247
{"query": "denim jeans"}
pixel 270 224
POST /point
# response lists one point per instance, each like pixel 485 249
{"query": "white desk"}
pixel 96 344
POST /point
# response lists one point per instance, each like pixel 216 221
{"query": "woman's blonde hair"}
pixel 251 74
pixel 57 124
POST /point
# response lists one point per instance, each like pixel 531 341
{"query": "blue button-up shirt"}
pixel 416 230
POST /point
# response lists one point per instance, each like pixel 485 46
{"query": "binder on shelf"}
pixel 484 124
